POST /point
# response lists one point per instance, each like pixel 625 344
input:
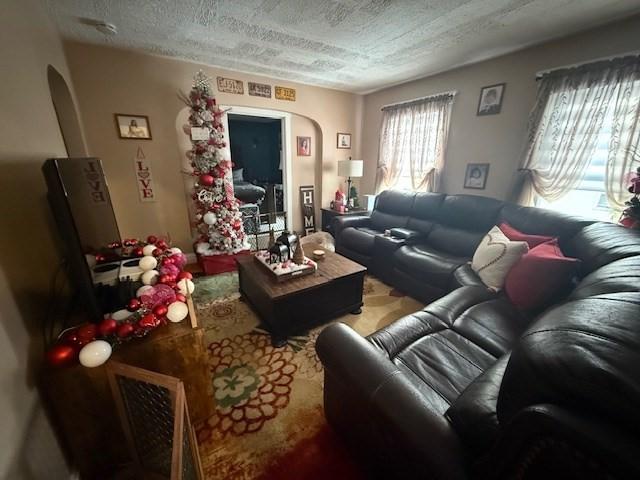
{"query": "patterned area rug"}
pixel 269 422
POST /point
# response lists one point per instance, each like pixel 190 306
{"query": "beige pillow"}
pixel 495 256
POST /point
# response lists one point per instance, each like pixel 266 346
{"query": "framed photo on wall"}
pixel 344 140
pixel 490 101
pixel 304 146
pixel 133 127
pixel 476 176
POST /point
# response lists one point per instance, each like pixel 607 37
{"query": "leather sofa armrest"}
pixel 410 236
pixel 340 223
pixel 423 438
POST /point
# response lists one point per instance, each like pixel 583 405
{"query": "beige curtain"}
pixel 414 136
pixel 573 108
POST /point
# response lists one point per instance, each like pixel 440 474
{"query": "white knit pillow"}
pixel 495 256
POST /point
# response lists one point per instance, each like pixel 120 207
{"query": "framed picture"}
pixel 133 127
pixel 304 146
pixel 476 176
pixel 490 101
pixel 344 140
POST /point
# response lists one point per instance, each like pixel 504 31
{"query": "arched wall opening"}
pixel 66 114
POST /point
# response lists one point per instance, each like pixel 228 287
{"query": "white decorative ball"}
pixel 95 353
pixel 148 263
pixel 121 315
pixel 150 277
pixel 209 218
pixel 148 249
pixel 175 250
pixel 143 290
pixel 186 286
pixel 202 247
pixel 177 312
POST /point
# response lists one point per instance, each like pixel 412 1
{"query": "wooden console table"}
pixel 82 408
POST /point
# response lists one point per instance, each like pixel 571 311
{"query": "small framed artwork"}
pixel 490 101
pixel 133 127
pixel 344 140
pixel 304 146
pixel 476 176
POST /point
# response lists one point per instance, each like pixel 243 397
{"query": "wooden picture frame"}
pixel 132 127
pixel 173 388
pixel 490 101
pixel 343 140
pixel 476 175
pixel 303 145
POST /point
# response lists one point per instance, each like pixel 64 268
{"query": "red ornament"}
pixel 156 252
pixel 152 239
pixel 162 244
pixel 107 327
pixel 160 310
pixel 181 298
pixel 100 258
pixel 148 321
pixel 137 252
pixel 87 333
pixel 187 275
pixel 61 354
pixel 207 180
pixel 70 337
pixel 134 304
pixel 124 330
pixel 164 278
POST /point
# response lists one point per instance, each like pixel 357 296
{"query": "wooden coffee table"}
pixel 295 306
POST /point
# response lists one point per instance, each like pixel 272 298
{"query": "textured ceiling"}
pixel 354 45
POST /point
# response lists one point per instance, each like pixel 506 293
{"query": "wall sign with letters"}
pixel 230 85
pixel 260 90
pixel 144 179
pixel 308 212
pixel 285 93
pixel 95 182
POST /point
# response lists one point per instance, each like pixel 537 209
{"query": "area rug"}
pixel 268 422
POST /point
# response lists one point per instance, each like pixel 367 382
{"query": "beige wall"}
pixel 29 134
pixel 109 80
pixel 495 139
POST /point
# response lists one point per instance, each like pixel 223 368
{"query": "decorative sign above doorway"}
pixel 308 212
pixel 230 85
pixel 260 90
pixel 285 93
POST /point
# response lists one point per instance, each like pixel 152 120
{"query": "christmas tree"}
pixel 218 218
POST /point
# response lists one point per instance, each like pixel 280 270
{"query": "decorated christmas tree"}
pixel 218 219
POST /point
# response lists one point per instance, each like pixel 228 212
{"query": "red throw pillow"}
pixel 540 275
pixel 516 235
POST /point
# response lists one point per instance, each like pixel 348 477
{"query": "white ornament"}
pixel 121 315
pixel 175 250
pixel 177 312
pixel 150 277
pixel 202 247
pixel 143 290
pixel 185 285
pixel 95 353
pixel 209 218
pixel 148 263
pixel 148 249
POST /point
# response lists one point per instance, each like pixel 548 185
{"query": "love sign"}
pixel 144 178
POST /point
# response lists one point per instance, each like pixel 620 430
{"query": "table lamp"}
pixel 350 168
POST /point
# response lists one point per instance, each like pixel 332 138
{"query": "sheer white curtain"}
pixel 413 139
pixel 573 110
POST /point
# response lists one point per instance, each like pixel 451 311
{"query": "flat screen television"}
pixel 79 198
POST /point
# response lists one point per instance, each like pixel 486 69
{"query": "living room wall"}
pixel 110 80
pixel 29 134
pixel 494 139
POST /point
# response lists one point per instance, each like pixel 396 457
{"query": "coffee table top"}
pixel 332 267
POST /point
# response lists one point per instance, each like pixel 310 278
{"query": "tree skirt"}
pixel 269 422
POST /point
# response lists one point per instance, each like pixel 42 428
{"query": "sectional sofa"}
pixel 472 386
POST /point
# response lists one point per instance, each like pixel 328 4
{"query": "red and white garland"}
pixel 218 218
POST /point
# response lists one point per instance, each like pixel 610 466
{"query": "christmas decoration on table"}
pixel 631 215
pixel 162 298
pixel 219 225
pixel 285 259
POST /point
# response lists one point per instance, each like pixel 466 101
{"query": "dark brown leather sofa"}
pixel 470 386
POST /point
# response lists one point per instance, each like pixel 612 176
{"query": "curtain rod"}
pixel 595 60
pixel 452 92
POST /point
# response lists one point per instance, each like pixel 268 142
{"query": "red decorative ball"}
pixel 70 337
pixel 134 304
pixel 206 180
pixel 187 275
pixel 100 258
pixel 107 327
pixel 124 330
pixel 61 354
pixel 137 252
pixel 181 298
pixel 149 321
pixel 164 279
pixel 162 244
pixel 156 252
pixel 168 261
pixel 152 239
pixel 87 333
pixel 160 311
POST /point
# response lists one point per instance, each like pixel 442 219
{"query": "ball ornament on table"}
pixel 177 312
pixel 147 263
pixel 156 252
pixel 143 290
pixel 160 310
pixel 162 244
pixel 175 250
pixel 107 327
pixel 120 314
pixel 95 353
pixel 149 321
pixel 152 239
pixel 150 277
pixel 186 286
pixel 187 275
pixel 137 252
pixel 134 304
pixel 124 330
pixel 87 333
pixel 209 218
pixel 180 297
pixel 148 249
pixel 61 354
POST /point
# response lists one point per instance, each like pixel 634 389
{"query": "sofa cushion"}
pixel 392 209
pixel 474 414
pixel 428 264
pixel 495 256
pixel 619 276
pixel 359 239
pixel 516 235
pixel 425 211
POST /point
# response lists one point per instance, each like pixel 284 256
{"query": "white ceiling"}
pixel 353 45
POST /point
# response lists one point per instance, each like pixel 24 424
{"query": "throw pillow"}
pixel 237 175
pixel 495 256
pixel 518 236
pixel 539 276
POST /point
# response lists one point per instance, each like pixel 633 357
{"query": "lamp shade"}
pixel 350 168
